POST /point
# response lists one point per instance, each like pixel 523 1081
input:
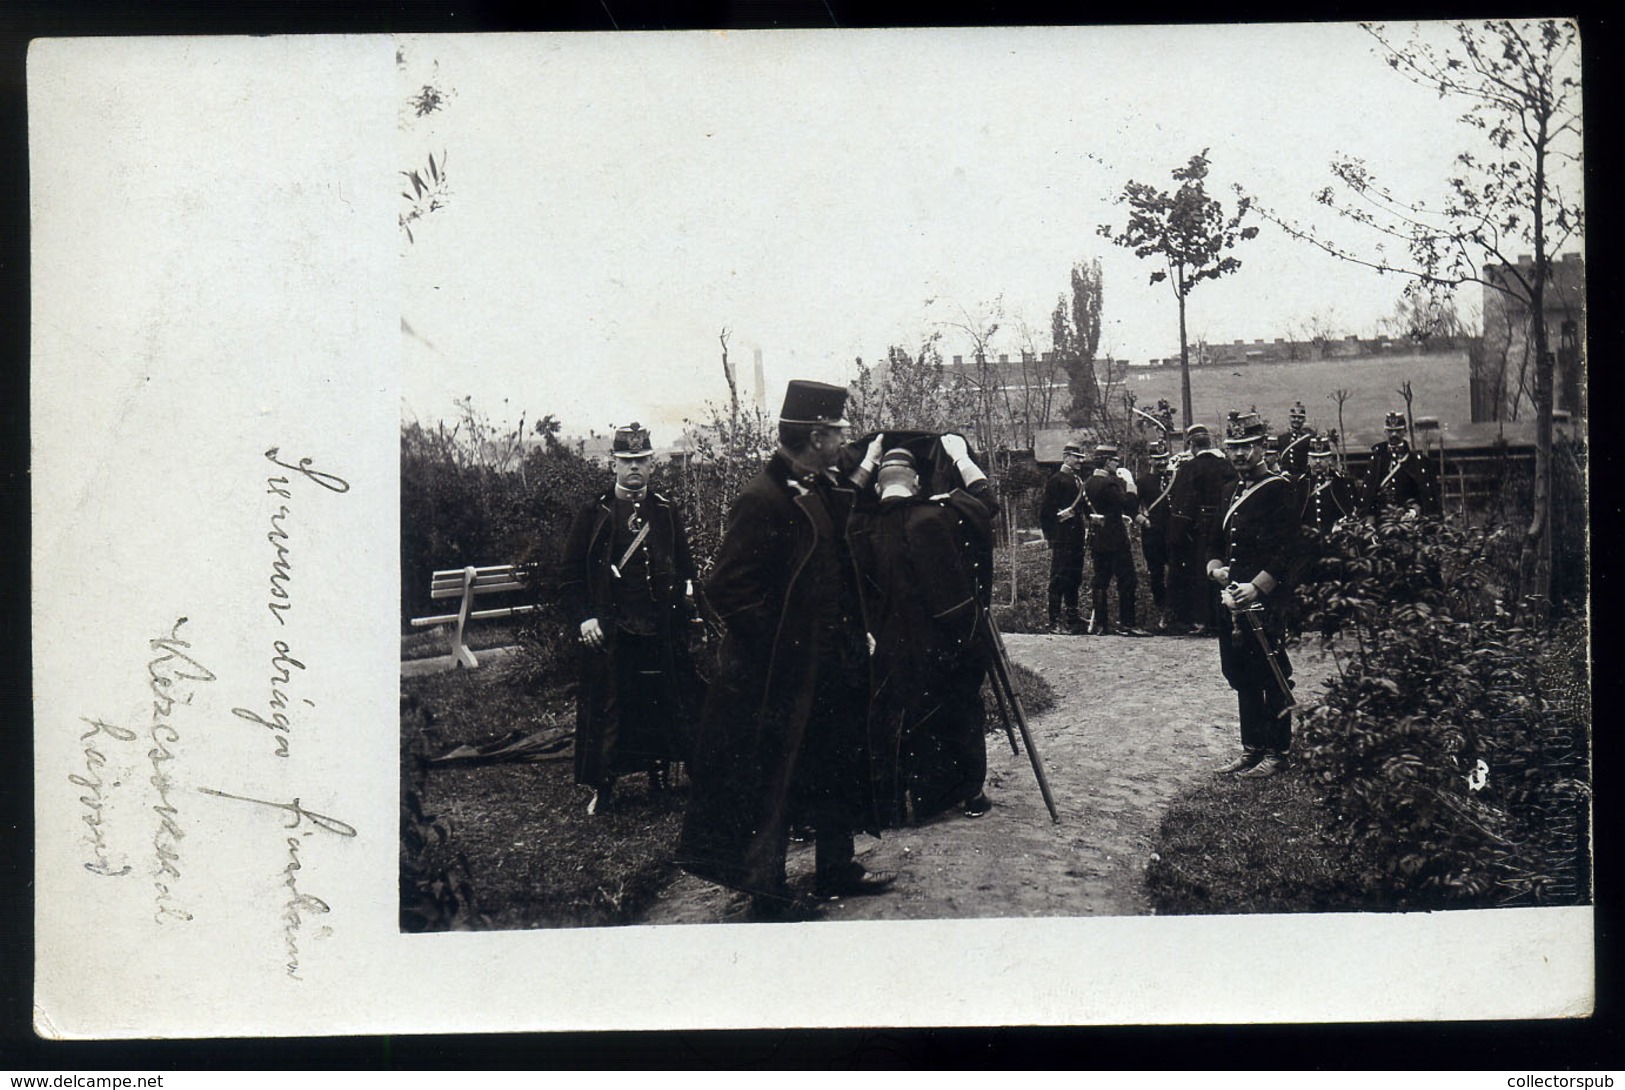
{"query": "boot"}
pixel 1125 614
pixel 1250 757
pixel 1100 618
pixel 1272 764
pixel 603 799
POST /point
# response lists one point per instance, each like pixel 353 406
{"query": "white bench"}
pixel 468 584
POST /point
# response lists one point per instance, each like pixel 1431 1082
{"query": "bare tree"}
pixel 983 375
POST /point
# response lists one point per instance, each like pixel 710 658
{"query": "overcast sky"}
pixel 616 200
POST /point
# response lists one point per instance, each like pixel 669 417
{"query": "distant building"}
pixel 1508 338
pixel 1035 384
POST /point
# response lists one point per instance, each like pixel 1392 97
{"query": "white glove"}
pixel 592 633
pixel 1128 480
pixel 955 447
pixel 877 447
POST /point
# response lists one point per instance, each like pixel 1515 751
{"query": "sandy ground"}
pixel 1136 722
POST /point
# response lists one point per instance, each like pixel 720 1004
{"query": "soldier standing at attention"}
pixel 1155 485
pixel 626 577
pixel 1250 561
pixel 784 735
pixel 1397 477
pixel 1331 494
pixel 1293 444
pixel 1062 520
pixel 1113 503
pixel 1196 499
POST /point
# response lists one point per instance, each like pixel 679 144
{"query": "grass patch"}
pixel 519 832
pixel 1037 696
pixel 428 643
pixel 1251 846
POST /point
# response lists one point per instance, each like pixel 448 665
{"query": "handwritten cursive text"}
pixel 281 601
pixel 299 904
pixel 92 783
pixel 165 677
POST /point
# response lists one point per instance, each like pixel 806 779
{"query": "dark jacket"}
pixel 1294 448
pixel 923 604
pixel 785 587
pixel 1060 492
pixel 1399 477
pixel 587 589
pixel 1156 502
pixel 1327 499
pixel 1109 503
pixel 1198 501
pixel 1259 533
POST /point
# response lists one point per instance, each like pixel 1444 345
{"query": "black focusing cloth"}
pixel 937 472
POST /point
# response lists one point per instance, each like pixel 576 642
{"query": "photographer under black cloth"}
pixel 925 607
pixel 1255 552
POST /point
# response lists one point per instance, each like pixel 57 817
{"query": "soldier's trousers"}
pixel 1065 578
pixel 1155 549
pixel 1117 564
pixel 1259 697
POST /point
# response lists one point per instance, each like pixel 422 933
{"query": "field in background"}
pixel 1438 383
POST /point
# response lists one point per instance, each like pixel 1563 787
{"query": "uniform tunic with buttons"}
pixel 1259 542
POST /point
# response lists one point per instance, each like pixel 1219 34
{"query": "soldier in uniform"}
pixel 1251 561
pixel 1196 500
pixel 1330 495
pixel 1155 486
pixel 925 612
pixel 1397 477
pixel 627 581
pixel 1293 444
pixel 1112 500
pixel 784 735
pixel 1272 454
pixel 1062 520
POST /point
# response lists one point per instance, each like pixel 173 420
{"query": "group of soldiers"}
pixel 1090 504
pixel 851 590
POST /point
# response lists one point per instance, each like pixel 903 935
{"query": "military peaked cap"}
pixel 631 441
pixel 1244 428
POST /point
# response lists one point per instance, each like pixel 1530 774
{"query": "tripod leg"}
pixel 1004 711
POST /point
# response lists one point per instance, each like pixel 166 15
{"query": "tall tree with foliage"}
pixel 1520 85
pixel 1075 331
pixel 1188 233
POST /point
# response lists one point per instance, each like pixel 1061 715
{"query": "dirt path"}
pixel 1112 772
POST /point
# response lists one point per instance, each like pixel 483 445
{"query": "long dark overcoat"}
pixel 770 586
pixel 586 589
pixel 927 723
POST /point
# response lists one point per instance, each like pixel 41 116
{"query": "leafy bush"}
pixel 1452 745
pixel 436 892
pixel 477 493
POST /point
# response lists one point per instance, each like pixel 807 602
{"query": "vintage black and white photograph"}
pixel 713 530
pixel 943 475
